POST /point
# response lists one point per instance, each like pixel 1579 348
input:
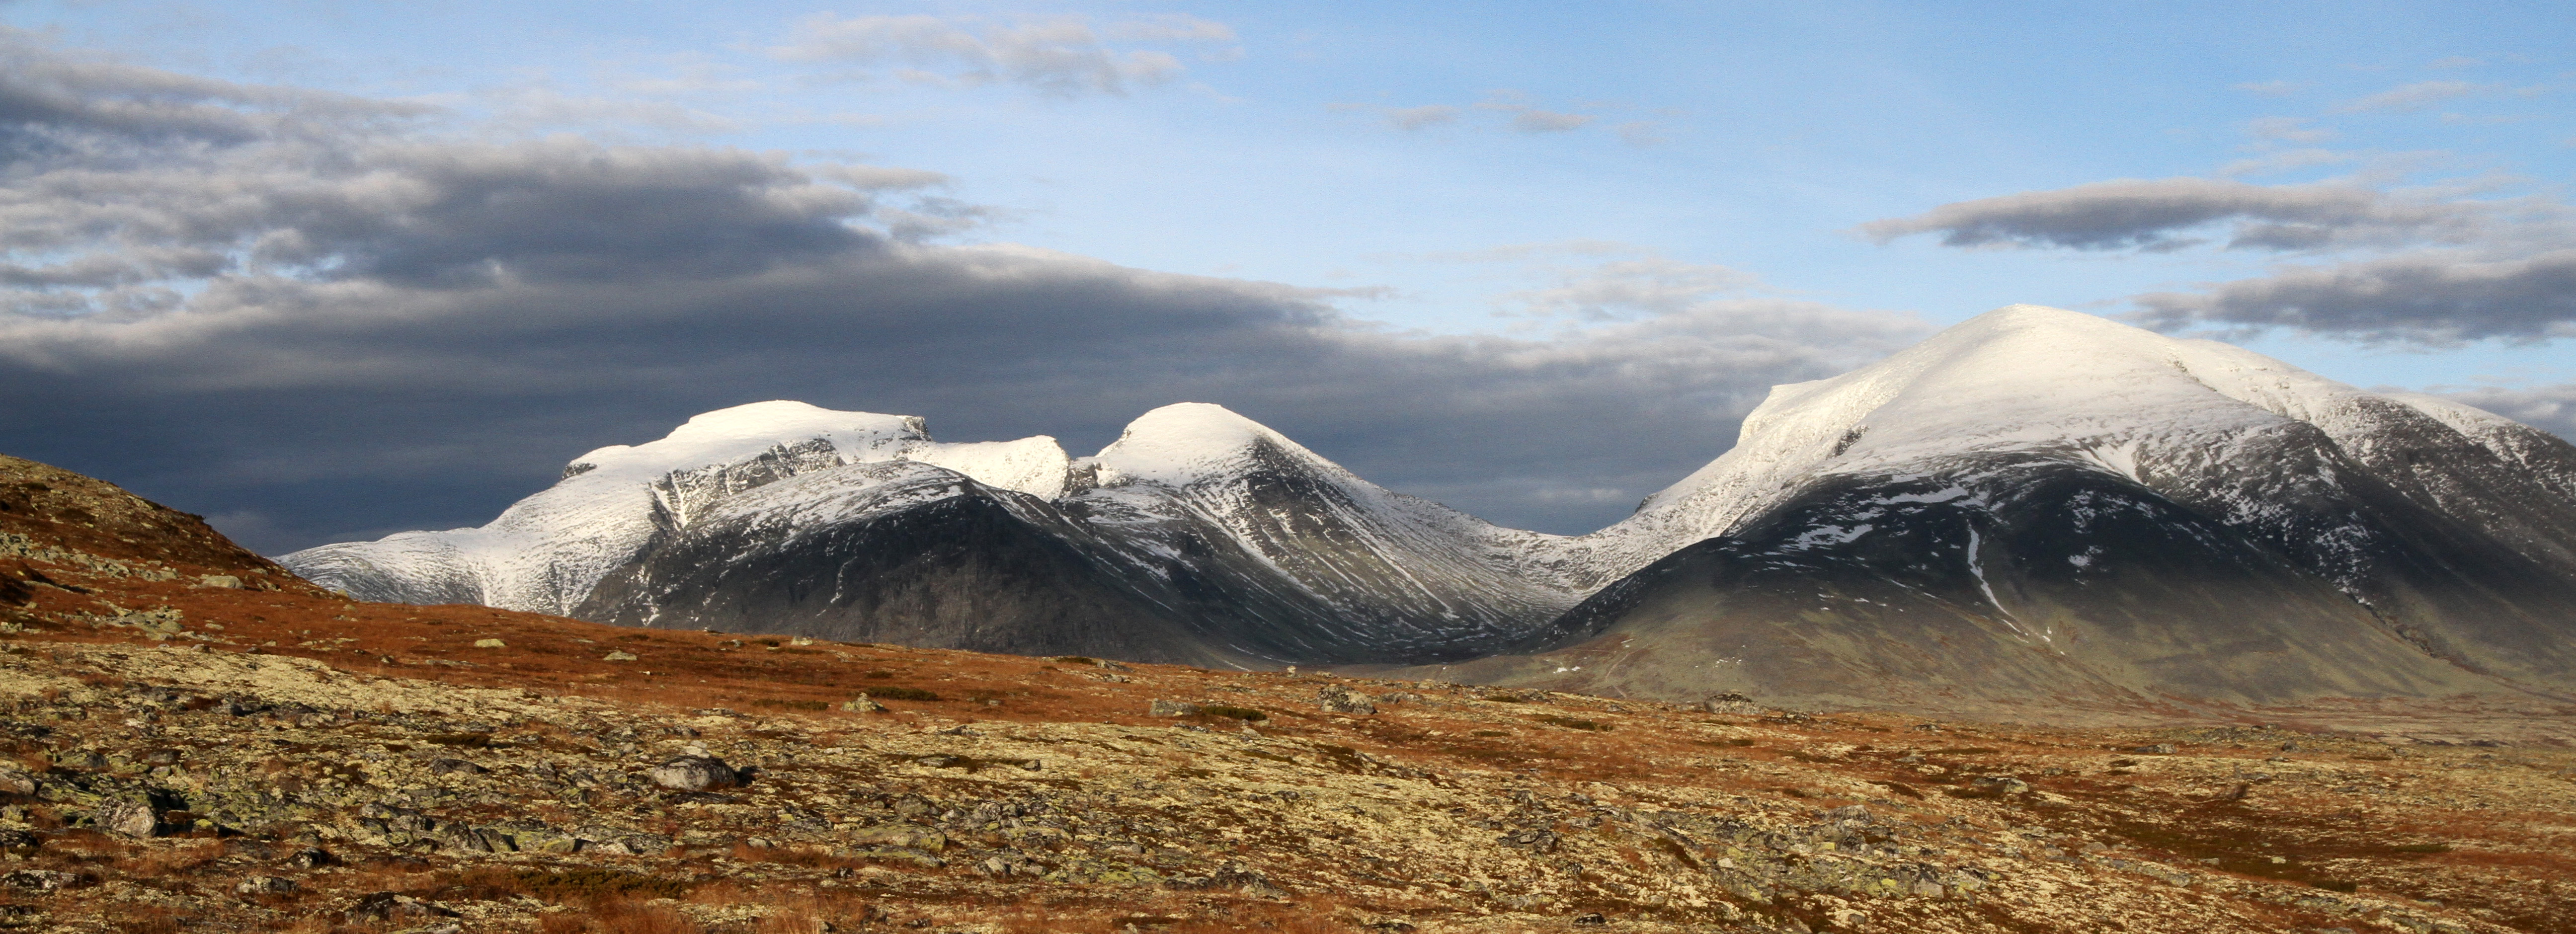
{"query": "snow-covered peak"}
pixel 1187 442
pixel 2023 378
pixel 743 432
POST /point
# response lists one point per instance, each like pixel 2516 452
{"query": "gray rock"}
pixel 2159 749
pixel 1338 699
pixel 861 704
pixel 1165 708
pixel 694 773
pixel 16 782
pixel 1732 703
pixel 129 819
pixel 265 885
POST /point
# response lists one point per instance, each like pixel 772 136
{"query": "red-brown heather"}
pixel 297 761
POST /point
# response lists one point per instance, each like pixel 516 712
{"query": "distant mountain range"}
pixel 2034 503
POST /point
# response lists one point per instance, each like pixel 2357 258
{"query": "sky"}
pixel 325 271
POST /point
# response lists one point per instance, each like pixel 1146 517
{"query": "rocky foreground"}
pixel 198 741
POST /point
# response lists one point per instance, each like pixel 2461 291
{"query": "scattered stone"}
pixel 861 704
pixel 394 907
pixel 615 655
pixel 1590 919
pixel 1168 708
pixel 490 644
pixel 310 858
pixel 265 885
pixel 694 773
pixel 223 581
pixel 2003 784
pixel 39 880
pixel 1732 703
pixel 16 782
pixel 2159 749
pixel 1338 699
pixel 18 842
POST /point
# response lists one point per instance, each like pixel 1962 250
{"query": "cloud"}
pixel 2153 215
pixel 1640 133
pixel 2423 297
pixel 2413 97
pixel 1527 118
pixel 1533 120
pixel 2287 129
pixel 318 318
pixel 1416 118
pixel 1061 57
pixel 2284 161
pixel 2455 61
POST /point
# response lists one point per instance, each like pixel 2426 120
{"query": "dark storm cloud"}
pixel 2450 269
pixel 317 319
pixel 2158 214
pixel 2417 297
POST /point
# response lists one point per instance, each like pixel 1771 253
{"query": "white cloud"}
pixel 1416 118
pixel 2287 129
pixel 1061 57
pixel 2413 97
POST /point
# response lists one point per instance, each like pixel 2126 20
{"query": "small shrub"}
pixel 2422 848
pixel 1077 660
pixel 461 740
pixel 792 704
pixel 901 693
pixel 1237 713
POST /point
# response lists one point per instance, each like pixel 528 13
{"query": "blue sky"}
pixel 1545 171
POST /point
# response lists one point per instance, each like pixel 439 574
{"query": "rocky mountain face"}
pixel 2035 503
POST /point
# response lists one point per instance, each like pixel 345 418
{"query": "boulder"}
pixel 1166 708
pixel 694 773
pixel 129 819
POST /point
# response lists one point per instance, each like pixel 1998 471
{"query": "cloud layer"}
pixel 2160 214
pixel 318 318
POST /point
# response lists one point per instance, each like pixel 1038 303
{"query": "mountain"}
pixel 2040 503
pixel 1199 536
pixel 2034 503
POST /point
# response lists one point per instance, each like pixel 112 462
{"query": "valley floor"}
pixel 387 774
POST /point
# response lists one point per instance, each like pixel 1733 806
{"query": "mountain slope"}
pixel 2039 502
pixel 1286 555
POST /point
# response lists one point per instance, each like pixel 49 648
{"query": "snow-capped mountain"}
pixel 2043 501
pixel 2032 502
pixel 546 552
pixel 1199 535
